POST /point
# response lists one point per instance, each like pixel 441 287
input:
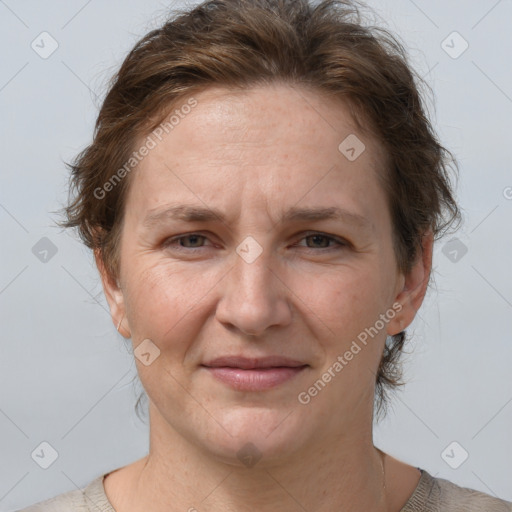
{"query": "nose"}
pixel 254 296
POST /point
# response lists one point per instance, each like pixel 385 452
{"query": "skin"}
pixel 253 155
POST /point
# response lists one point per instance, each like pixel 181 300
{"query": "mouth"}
pixel 254 374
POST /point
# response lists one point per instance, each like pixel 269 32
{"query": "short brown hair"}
pixel 241 43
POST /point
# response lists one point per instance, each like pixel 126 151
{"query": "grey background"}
pixel 66 376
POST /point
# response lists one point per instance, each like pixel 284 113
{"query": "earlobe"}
pixel 415 285
pixel 114 295
pixel 397 324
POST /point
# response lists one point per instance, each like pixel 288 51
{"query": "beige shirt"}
pixel 431 495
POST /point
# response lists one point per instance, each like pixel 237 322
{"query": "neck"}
pixel 343 473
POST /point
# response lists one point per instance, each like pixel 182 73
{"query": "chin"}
pixel 257 436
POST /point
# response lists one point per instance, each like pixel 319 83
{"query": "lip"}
pixel 250 363
pixel 254 374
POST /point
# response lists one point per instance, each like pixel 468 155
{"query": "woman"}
pixel 262 196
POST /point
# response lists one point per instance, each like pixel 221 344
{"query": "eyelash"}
pixel 341 244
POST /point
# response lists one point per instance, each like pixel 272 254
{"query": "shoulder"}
pixel 440 495
pixel 456 498
pixel 91 498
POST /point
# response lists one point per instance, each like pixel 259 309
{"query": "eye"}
pixel 195 241
pixel 323 241
pixel 188 241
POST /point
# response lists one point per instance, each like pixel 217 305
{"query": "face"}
pixel 249 236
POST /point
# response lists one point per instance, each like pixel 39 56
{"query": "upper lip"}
pixel 249 363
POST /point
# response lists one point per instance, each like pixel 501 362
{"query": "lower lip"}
pixel 256 379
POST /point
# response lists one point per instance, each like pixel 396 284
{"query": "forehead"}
pixel 285 113
pixel 273 140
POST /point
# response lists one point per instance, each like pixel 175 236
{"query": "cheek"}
pixel 344 301
pixel 345 305
pixel 161 299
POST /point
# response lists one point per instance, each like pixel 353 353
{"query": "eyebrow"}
pixel 192 213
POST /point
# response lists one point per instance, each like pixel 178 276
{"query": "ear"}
pixel 114 296
pixel 414 288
